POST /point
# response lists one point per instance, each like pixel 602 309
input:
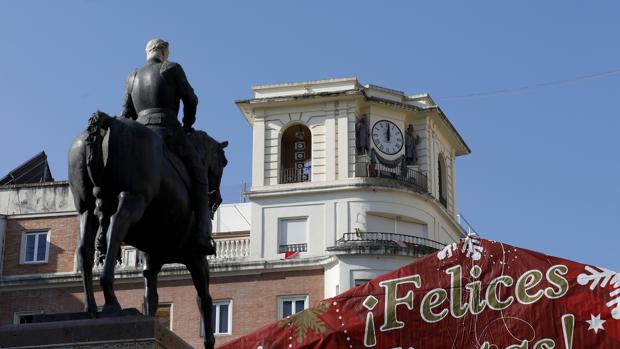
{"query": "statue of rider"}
pixel 153 95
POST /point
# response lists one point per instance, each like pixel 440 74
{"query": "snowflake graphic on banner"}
pixel 595 323
pixel 471 247
pixel 602 278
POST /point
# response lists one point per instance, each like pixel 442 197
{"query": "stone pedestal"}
pixel 118 333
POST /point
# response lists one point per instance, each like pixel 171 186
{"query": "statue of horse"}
pixel 129 188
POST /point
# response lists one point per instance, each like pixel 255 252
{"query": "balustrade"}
pixel 226 249
pixel 231 248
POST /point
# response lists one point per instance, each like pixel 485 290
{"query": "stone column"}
pixel 330 142
pixel 343 143
pixel 258 157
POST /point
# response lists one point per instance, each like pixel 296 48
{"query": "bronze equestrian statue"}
pixel 130 186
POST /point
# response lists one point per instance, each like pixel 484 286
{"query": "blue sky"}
pixel 544 169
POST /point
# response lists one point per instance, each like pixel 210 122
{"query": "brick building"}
pixel 345 211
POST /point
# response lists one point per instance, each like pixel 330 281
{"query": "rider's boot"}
pixel 200 194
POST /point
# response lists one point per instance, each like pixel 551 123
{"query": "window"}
pixel 292 235
pixel 441 179
pixel 164 315
pixel 289 305
pixel 221 318
pixel 362 276
pixel 358 282
pixel 24 317
pixel 35 247
pixel 384 222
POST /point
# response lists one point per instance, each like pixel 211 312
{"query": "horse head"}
pixel 215 160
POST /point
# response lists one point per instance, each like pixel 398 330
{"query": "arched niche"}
pixel 296 154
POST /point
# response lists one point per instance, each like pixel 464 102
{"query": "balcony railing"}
pixel 410 176
pixel 131 258
pixel 389 242
pixel 225 249
pixel 231 248
pixel 294 175
pixel 293 248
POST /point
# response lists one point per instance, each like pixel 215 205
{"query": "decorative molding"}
pixel 218 268
pixel 312 117
pixel 41 215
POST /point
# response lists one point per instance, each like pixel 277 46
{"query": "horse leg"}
pixel 151 298
pixel 130 209
pixel 86 257
pixel 101 242
pixel 199 269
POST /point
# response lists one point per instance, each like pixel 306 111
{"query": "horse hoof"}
pixel 92 311
pixel 210 343
pixel 111 309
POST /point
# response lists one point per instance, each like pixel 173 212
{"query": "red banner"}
pixel 477 294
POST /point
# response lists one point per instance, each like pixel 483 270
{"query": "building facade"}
pixel 349 181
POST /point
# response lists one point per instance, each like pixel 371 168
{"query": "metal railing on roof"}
pixel 465 225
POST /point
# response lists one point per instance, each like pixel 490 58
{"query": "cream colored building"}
pixel 314 192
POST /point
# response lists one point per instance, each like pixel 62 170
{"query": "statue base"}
pixel 125 331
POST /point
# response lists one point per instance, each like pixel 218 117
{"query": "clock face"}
pixel 387 137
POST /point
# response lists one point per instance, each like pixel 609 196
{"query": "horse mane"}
pixel 98 124
pixel 203 143
pixel 200 140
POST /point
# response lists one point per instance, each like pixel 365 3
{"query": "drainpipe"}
pixel 2 238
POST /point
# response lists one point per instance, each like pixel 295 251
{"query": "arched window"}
pixel 296 154
pixel 441 179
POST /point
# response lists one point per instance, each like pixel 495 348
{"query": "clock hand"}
pixel 388 132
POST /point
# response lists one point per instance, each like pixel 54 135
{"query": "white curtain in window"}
pixel 410 228
pixel 293 231
pixel 379 224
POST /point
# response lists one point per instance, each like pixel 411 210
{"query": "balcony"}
pixel 384 243
pixel 131 259
pixel 294 175
pixel 226 249
pixel 411 177
pixel 293 248
pixel 231 249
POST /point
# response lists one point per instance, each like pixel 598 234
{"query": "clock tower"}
pixel 355 179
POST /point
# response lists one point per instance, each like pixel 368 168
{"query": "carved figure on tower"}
pixel 411 140
pixel 362 136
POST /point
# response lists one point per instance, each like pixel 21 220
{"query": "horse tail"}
pixel 98 125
